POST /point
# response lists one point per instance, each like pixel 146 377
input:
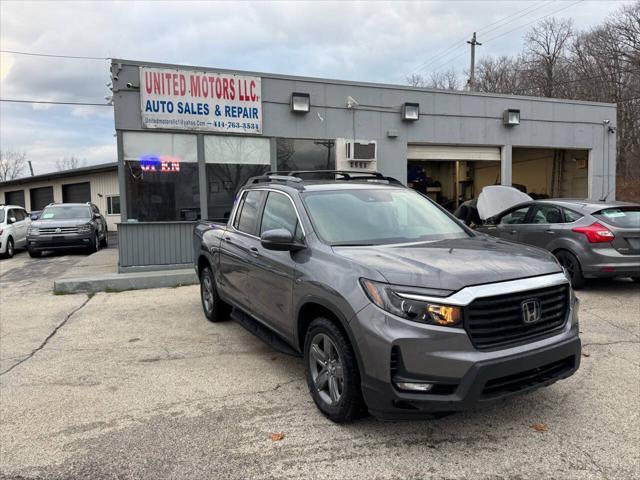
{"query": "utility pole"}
pixel 30 167
pixel 472 70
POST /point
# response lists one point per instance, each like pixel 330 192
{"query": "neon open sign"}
pixel 159 163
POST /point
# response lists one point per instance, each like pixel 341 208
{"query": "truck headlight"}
pixel 383 295
pixel 33 231
pixel 86 228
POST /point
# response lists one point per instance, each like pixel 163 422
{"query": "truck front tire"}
pixel 214 308
pixel 332 372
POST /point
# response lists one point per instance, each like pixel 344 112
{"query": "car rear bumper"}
pixel 53 242
pixel 391 349
pixel 608 262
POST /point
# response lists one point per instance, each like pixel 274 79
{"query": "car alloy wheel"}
pixel 207 294
pixel 10 248
pixel 326 369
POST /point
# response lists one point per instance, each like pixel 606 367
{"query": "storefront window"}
pixel 161 176
pixel 297 154
pixel 230 162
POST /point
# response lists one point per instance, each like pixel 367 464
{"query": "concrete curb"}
pixel 118 282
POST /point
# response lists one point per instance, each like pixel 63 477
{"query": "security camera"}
pixel 352 102
pixel 115 77
pixel 129 85
pixel 606 122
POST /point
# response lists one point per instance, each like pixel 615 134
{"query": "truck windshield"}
pixel 377 217
pixel 66 212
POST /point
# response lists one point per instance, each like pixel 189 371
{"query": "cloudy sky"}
pixel 368 41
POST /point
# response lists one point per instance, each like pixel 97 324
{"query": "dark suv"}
pixel 67 225
pixel 394 304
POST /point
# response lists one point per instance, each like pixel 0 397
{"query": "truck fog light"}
pixel 416 387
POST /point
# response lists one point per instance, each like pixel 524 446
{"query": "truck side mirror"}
pixel 280 240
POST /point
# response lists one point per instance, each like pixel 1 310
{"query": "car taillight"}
pixel 596 233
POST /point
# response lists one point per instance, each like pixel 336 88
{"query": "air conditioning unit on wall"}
pixel 357 155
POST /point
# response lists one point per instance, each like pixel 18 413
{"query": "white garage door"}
pixel 450 152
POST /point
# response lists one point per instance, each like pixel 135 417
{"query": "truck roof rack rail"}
pixel 296 178
pixel 345 175
pixel 272 177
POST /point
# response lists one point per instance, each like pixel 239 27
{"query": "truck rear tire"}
pixel 332 372
pixel 214 308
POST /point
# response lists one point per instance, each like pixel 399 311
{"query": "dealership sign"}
pixel 191 100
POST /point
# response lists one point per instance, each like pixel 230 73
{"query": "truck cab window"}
pixel 250 209
pixel 280 213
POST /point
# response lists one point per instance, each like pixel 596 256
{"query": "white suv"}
pixel 14 222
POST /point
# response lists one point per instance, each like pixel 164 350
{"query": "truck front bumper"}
pixel 391 350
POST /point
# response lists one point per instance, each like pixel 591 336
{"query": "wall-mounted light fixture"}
pixel 511 117
pixel 410 112
pixel 300 102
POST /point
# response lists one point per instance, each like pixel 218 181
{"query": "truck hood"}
pixel 495 199
pixel 453 264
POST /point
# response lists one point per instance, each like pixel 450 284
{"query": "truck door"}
pixel 236 256
pixel 272 276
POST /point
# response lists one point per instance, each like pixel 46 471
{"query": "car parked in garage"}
pixel 590 239
pixel 67 225
pixel 14 221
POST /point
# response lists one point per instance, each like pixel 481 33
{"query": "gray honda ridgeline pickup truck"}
pixel 396 307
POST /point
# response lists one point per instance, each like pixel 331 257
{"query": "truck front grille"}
pixel 54 230
pixel 498 321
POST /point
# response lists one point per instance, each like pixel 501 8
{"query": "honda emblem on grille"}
pixel 58 230
pixel 531 311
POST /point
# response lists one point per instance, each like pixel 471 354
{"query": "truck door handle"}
pixel 227 239
pixel 254 251
pixel 513 231
pixel 550 232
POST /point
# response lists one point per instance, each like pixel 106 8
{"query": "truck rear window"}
pixel 624 217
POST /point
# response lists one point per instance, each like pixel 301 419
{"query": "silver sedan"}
pixel 590 239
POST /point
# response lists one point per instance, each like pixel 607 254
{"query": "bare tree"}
pixel 499 75
pixel 12 164
pixel 416 80
pixel 447 80
pixel 69 163
pixel 546 53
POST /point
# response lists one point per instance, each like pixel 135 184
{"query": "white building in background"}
pixel 97 184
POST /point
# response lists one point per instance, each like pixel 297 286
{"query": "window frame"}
pixel 295 210
pixel 109 197
pixel 530 215
pixel 238 213
pixel 239 204
pixel 528 206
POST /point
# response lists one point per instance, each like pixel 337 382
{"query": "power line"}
pixel 47 102
pixel 33 54
pixel 439 66
pixel 461 43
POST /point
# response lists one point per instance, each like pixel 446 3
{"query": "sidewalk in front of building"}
pixel 99 273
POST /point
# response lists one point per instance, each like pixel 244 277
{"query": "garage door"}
pixel 15 197
pixel 40 197
pixel 450 152
pixel 76 192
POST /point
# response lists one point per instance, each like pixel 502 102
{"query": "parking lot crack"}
pixel 49 337
pixel 618 342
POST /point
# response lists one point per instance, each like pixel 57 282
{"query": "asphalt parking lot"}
pixel 138 385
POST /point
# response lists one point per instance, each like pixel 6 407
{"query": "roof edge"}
pixel 300 78
pixel 102 167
